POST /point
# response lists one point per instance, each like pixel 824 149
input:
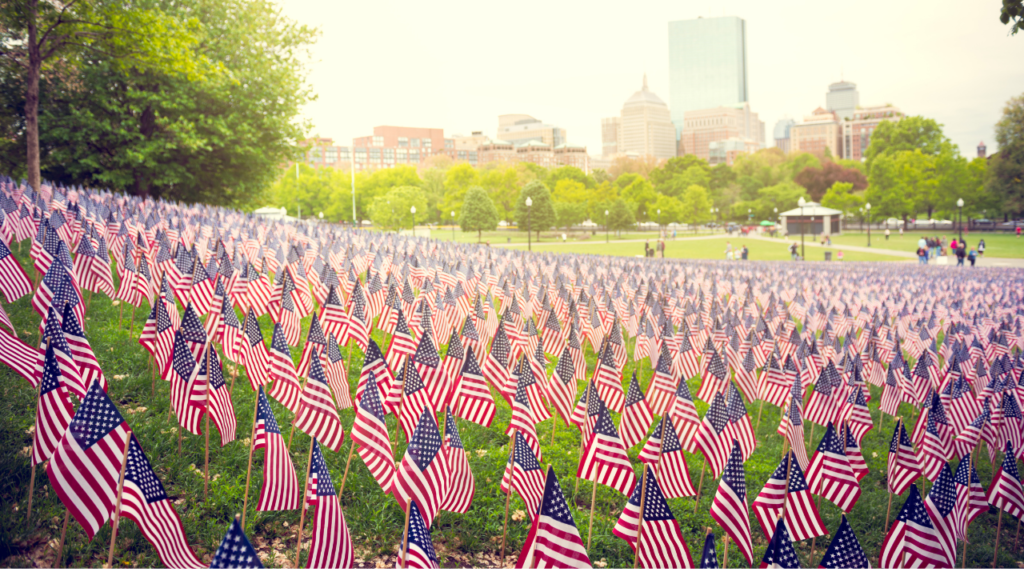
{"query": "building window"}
pixel 462 154
pixel 449 144
pixel 414 142
pixel 332 155
pixel 374 153
pixel 360 154
pixel 389 154
pixel 403 141
pixel 403 156
pixel 426 143
pixel 414 156
pixel 378 141
pixel 343 154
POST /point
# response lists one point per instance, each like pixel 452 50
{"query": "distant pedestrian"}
pixel 960 254
pixel 886 233
pixel 981 248
pixel 839 255
pixel 922 255
pixel 1018 231
pixel 972 256
pixel 793 252
pixel 901 231
pixel 744 252
pixel 647 248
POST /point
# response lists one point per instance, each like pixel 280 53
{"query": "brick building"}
pixel 724 123
pixel 857 131
pixel 818 132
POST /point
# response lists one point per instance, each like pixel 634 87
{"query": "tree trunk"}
pixel 35 64
pixel 147 127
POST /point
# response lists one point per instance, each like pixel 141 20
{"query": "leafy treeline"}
pixel 193 100
pixel 911 169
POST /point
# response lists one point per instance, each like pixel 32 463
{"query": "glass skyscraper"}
pixel 707 60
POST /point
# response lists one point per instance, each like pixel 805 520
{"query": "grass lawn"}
pixel 997 245
pixel 713 249
pixel 375 520
pixel 500 237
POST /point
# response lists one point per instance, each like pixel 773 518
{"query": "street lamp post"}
pixel 453 225
pixel 412 210
pixel 529 233
pixel 960 224
pixel 801 203
pixel 867 208
pixel 605 226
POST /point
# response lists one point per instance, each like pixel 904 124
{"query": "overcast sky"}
pixel 458 65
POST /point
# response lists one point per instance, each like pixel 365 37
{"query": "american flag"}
pixel 553 540
pixel 286 388
pixel 855 412
pixel 1005 491
pixel 912 542
pixel 459 495
pixel 374 363
pixel 739 427
pixel 57 288
pixel 80 348
pixel 729 507
pixel 636 416
pixel 780 552
pixel 201 293
pixel 370 432
pixel 357 326
pixel 454 357
pixel 53 410
pixel 903 466
pixel 280 483
pixel 337 375
pixel 830 473
pixel 85 469
pixel 523 474
pixel 254 352
pixel 495 367
pixel 708 557
pixel 607 377
pixel 714 378
pixel 316 345
pixel 684 416
pixel 316 414
pixel 793 498
pixel 792 427
pixel 145 502
pixel 971 500
pixel 331 544
pixel 333 317
pixel 413 399
pixel 472 399
pixel 553 340
pixel 527 380
pixel 402 344
pixel 235 550
pixel 423 474
pixel 941 507
pixel 662 385
pixel 524 418
pixel 663 451
pixel 934 452
pixel 604 460
pixel 561 389
pixel 421 549
pixel 13 281
pixel 54 334
pixel 821 408
pixel 189 403
pixel 661 541
pixel 844 551
pixel 220 407
pixel 746 375
pixel 710 438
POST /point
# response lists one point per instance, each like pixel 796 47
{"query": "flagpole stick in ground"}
pixel 206 459
pixel 999 529
pixel 401 400
pixel 586 410
pixel 725 551
pixel 248 471
pixel 302 503
pixel 405 536
pixel 593 501
pixel 759 412
pixel 292 432
pixel 115 521
pixel 63 532
pixel 508 496
pixel 640 522
pixel 888 487
pixel 700 484
pixel 348 462
pixel 31 484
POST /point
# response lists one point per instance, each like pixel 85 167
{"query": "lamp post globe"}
pixel 453 225
pixel 867 210
pixel 960 225
pixel 529 240
pixel 412 210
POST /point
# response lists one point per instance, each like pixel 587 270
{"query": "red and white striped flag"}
pixel 331 545
pixel 604 460
pixel 662 544
pixel 280 489
pixel 523 474
pixel 370 432
pixel 13 281
pixel 664 451
pixel 316 414
pixel 553 540
pixel 220 407
pixel 830 474
pixel 710 438
pixel 636 416
pixel 254 352
pixel 971 500
pixel 903 465
pixel 53 410
pixel 459 495
pixel 802 519
pixel 423 474
pixel 912 542
pixel 941 507
pixel 286 388
pixel 1005 491
pixel 729 507
pixel 472 399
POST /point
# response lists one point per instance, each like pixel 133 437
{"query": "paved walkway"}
pixel 910 256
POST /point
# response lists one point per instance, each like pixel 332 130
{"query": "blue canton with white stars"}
pixel 426 441
pixel 235 551
pixel 96 417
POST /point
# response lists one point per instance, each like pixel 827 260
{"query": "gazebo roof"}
pixel 811 209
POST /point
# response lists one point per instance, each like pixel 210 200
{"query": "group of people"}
pixel 931 248
pixel 736 254
pixel 658 246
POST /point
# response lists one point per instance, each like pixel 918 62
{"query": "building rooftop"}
pixel 644 96
pixel 811 209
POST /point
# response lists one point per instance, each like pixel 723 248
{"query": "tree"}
pixel 886 189
pixel 643 165
pixel 1005 178
pixel 620 215
pixel 910 133
pixel 670 210
pixel 392 211
pixel 641 194
pixel 378 183
pixel 502 184
pixel 1012 11
pixel 478 212
pixel 315 190
pixel 569 173
pixel 141 40
pixel 457 181
pixel 681 181
pixel 840 197
pixel 601 175
pixel 568 213
pixel 695 205
pixel 817 180
pixel 541 215
pixel 662 175
pixel 569 191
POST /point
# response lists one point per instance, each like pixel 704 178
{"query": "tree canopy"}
pixel 478 212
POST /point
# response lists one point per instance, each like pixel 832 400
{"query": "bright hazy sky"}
pixel 458 65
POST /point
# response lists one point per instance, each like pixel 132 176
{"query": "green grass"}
pixel 713 249
pixel 374 520
pixel 997 245
pixel 501 237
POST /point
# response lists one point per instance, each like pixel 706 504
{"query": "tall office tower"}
pixel 645 126
pixel 843 99
pixel 707 65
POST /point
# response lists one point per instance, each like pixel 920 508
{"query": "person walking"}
pixel 886 233
pixel 1018 231
pixel 972 256
pixel 647 248
pixel 960 254
pixel 981 248
pixel 922 255
pixel 793 255
pixel 744 252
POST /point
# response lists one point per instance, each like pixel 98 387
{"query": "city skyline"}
pixel 458 72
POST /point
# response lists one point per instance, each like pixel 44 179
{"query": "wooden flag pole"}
pixel 248 472
pixel 401 400
pixel 700 485
pixel 291 433
pixel 789 466
pixel 63 532
pixel 759 412
pixel 115 521
pixel 593 501
pixel 348 462
pixel 508 495
pixel 725 551
pixel 586 413
pixel 888 487
pixel 999 529
pixel 405 536
pixel 302 503
pixel 206 461
pixel 152 363
pixel 640 522
pixel 31 483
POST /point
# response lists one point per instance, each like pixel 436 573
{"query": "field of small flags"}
pixel 185 386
